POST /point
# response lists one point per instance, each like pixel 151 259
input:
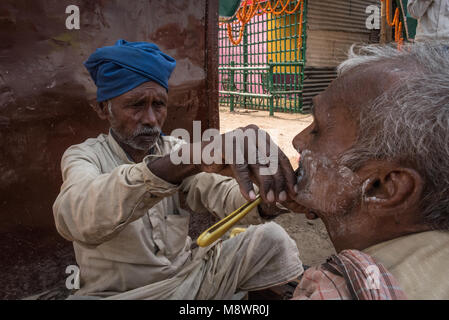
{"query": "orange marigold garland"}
pixel 396 23
pixel 248 11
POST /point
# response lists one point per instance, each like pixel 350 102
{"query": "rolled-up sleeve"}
pixel 417 8
pixel 92 207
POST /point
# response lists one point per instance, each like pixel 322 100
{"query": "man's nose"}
pixel 149 117
pixel 298 143
pixel 300 140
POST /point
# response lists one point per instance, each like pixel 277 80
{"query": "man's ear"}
pixel 101 108
pixel 393 187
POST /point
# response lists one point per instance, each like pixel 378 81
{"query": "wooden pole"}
pixel 385 29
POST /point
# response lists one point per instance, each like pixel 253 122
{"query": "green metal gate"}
pixel 266 70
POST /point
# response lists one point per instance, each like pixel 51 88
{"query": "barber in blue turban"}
pixel 126 70
pixel 126 65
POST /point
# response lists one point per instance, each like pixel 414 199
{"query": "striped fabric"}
pixel 350 275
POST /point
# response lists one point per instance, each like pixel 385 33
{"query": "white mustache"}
pixel 153 131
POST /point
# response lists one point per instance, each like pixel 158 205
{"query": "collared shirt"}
pixel 408 267
pixel 127 225
pixel 349 275
pixel 433 19
pixel 418 262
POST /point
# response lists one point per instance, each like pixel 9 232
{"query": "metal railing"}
pixel 266 70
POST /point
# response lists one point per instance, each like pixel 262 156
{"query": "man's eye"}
pixel 138 105
pixel 159 103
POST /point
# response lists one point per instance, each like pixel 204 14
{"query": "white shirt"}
pixel 433 19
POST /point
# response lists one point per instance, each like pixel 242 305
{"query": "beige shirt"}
pixel 418 262
pixel 127 225
pixel 433 19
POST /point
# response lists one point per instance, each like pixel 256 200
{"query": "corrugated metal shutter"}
pixel 339 15
pixel 329 48
pixel 316 80
pixel 332 27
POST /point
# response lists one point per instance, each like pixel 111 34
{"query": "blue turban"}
pixel 126 65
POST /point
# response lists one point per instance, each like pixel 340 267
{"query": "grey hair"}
pixel 409 122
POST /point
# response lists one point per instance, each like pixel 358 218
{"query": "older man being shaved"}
pixel 375 168
pixel 120 202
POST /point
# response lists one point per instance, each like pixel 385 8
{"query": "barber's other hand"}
pixel 250 156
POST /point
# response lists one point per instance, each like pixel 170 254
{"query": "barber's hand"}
pixel 253 159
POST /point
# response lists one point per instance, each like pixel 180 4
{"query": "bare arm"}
pixel 275 184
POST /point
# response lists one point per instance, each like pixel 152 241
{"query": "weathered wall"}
pixel 45 93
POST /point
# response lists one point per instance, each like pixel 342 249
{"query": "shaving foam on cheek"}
pixel 325 185
pixel 310 186
pixel 348 179
pixel 300 172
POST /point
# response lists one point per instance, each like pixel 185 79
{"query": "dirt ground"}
pixel 311 236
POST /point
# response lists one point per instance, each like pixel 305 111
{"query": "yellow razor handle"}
pixel 220 228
